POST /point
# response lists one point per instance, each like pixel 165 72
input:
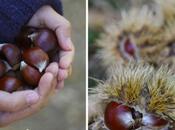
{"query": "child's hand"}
pixel 19 105
pixel 49 18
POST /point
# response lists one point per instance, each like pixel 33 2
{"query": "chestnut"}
pixel 30 74
pixel 118 117
pixel 122 117
pixel 36 57
pixel 11 53
pixel 10 84
pixel 153 120
pixel 45 39
pixel 22 40
pixel 26 62
pixel 129 48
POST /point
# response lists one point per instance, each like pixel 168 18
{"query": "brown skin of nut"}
pixel 36 57
pixel 46 40
pixel 22 40
pixel 153 120
pixel 2 68
pixel 115 116
pixel 31 36
pixel 119 117
pixel 9 84
pixel 31 75
pixel 11 53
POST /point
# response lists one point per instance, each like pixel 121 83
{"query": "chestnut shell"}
pixel 31 75
pixel 22 40
pixel 46 40
pixel 118 117
pixel 11 53
pixel 34 46
pixel 122 117
pixel 10 84
pixel 36 57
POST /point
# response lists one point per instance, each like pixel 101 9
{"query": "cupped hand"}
pixel 18 105
pixel 47 17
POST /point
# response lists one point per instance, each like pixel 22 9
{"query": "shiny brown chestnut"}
pixel 122 117
pixel 118 117
pixel 36 57
pixel 10 84
pixel 40 37
pixel 45 39
pixel 11 53
pixel 153 120
pixel 36 47
pixel 30 74
pixel 22 40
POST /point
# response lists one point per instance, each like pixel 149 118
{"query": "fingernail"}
pixel 68 44
pixel 32 98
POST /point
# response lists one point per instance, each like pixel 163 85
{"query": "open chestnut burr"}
pixel 23 63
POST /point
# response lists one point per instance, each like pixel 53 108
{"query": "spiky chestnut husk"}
pixel 147 33
pixel 167 8
pixel 138 86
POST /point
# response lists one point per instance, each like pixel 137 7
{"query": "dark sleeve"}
pixel 16 13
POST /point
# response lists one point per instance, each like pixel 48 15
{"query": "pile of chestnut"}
pixel 23 63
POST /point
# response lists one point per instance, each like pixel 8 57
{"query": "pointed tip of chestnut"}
pixel 10 84
pixel 30 74
pixel 36 57
pixel 22 40
pixel 45 39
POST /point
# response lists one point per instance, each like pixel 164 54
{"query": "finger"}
pixel 45 85
pixel 53 68
pixel 17 100
pixel 8 118
pixel 48 17
pixel 62 74
pixel 66 58
pixel 55 82
pixel 60 85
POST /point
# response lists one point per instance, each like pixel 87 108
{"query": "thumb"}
pixel 48 17
pixel 17 100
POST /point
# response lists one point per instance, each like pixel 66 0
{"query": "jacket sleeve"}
pixel 16 13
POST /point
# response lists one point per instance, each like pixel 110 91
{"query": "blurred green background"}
pixel 66 111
